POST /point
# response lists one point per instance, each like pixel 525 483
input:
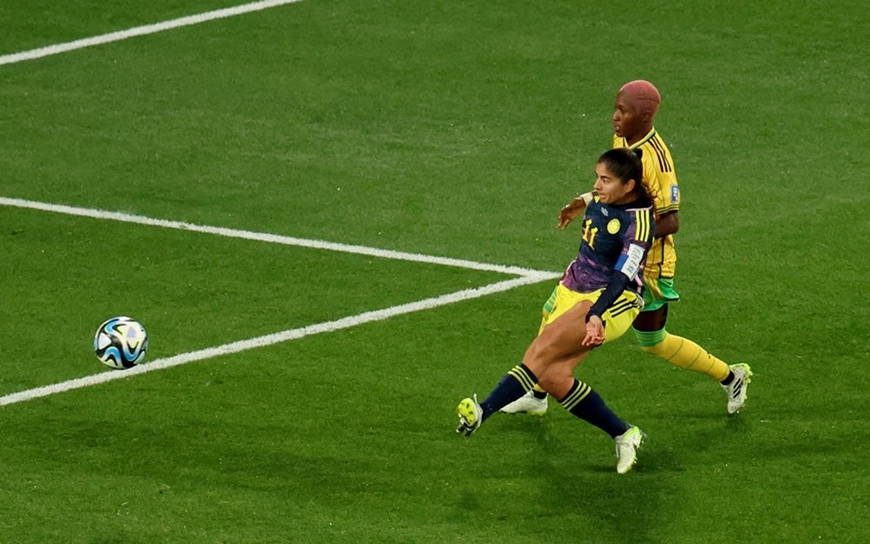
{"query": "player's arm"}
pixel 666 224
pixel 666 194
pixel 574 209
pixel 627 268
pixel 636 244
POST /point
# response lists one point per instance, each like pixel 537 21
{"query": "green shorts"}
pixel 659 293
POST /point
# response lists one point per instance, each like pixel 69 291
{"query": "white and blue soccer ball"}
pixel 121 342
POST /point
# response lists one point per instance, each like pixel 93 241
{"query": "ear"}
pixel 630 185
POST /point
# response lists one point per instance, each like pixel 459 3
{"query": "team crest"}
pixel 613 226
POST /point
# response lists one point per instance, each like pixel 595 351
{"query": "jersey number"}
pixel 589 233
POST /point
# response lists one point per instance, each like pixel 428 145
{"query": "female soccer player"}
pixel 637 103
pixel 596 301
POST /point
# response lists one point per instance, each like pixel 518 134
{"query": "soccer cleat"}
pixel 528 404
pixel 626 448
pixel 737 388
pixel 470 416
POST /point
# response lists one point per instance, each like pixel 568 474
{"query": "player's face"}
pixel 628 121
pixel 611 190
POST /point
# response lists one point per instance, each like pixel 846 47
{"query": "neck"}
pixel 638 136
pixel 627 199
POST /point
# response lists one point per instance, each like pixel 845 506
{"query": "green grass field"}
pixel 451 129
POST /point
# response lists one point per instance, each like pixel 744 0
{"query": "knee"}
pixel 552 380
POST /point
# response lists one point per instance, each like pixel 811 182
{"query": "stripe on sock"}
pixel 577 393
pixel 524 376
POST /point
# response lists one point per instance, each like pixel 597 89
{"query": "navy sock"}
pixel 539 394
pixel 728 379
pixel 512 386
pixel 585 403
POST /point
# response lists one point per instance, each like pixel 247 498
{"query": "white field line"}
pixel 272 238
pixel 527 276
pixel 141 31
pixel 270 339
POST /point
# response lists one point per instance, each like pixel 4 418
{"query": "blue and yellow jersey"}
pixel 661 179
pixel 615 239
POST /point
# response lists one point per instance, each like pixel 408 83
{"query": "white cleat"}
pixel 626 448
pixel 736 390
pixel 527 404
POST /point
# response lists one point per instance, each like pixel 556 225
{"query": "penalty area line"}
pixel 40 52
pixel 270 238
pixel 275 338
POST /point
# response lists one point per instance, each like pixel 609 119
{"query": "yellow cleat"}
pixel 470 416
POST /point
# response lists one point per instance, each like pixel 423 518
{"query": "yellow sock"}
pixel 684 353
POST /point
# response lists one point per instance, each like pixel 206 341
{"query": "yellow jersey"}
pixel 661 179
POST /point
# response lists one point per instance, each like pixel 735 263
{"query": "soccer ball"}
pixel 121 342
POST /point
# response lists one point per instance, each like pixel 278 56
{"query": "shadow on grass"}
pixel 567 485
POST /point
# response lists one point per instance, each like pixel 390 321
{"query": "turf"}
pixel 454 129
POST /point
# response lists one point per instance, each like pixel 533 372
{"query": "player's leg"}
pixel 512 386
pixel 585 403
pixel 549 346
pixel 534 402
pixel 555 354
pixel 557 377
pixel 649 328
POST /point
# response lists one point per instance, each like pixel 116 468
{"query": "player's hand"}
pixel 594 332
pixel 571 212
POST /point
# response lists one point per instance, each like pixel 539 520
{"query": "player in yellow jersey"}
pixel 637 103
